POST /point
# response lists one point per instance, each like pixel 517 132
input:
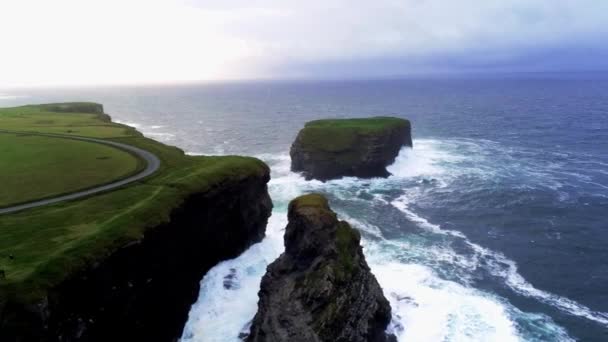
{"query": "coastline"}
pixel 156 228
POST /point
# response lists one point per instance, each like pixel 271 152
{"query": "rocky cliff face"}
pixel 329 149
pixel 321 288
pixel 143 292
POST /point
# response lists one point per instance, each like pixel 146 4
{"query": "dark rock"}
pixel 244 333
pixel 230 280
pixel 329 149
pixel 320 288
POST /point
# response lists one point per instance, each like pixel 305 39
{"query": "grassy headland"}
pixel 41 247
pixel 34 167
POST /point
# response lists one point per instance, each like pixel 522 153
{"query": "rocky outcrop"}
pixel 320 288
pixel 329 149
pixel 143 292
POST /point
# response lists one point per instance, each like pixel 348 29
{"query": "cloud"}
pixel 110 41
pixel 420 32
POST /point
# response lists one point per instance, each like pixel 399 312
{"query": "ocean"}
pixel 494 227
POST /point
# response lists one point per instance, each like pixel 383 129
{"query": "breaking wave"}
pixel 429 283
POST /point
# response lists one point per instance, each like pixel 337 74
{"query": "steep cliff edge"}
pixel 144 290
pixel 320 288
pixel 329 149
pixel 124 265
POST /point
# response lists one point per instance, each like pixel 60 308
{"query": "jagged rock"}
pixel 329 149
pixel 320 288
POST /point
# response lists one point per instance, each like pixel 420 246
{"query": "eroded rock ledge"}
pixel 329 149
pixel 320 288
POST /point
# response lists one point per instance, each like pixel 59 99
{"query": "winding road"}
pixel 152 165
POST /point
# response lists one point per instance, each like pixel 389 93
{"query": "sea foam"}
pixel 427 305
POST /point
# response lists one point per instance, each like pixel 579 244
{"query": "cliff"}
pixel 329 149
pixel 320 288
pixel 125 264
pixel 144 290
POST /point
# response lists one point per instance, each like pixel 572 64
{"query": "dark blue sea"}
pixel 493 228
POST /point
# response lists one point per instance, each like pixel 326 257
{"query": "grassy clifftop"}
pixel 72 107
pixel 365 124
pixel 334 135
pixel 35 167
pixel 41 247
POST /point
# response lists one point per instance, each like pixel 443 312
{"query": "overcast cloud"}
pixel 110 41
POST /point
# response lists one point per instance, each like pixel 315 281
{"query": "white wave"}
pixel 506 269
pixel 430 160
pixel 598 185
pixel 443 161
pixel 402 203
pixel 380 198
pixel 502 267
pixel 424 159
pixel 409 250
pixel 362 226
pixel 198 153
pixel 161 134
pixel 436 169
pixel 427 308
pixel 221 313
pixel 499 265
pixel 150 131
pixel 128 123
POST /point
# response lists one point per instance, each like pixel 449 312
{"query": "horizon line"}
pixel 416 76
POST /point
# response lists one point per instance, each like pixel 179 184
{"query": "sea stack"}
pixel 320 288
pixel 335 148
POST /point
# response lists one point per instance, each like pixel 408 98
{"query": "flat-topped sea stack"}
pixel 320 288
pixel 335 148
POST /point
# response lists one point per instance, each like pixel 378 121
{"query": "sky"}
pixel 73 42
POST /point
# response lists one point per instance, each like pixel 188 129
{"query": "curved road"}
pixel 152 165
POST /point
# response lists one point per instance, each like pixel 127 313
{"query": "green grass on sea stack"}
pixel 364 124
pixel 310 200
pixel 40 247
pixel 339 135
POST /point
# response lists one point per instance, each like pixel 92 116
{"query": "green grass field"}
pixel 40 247
pixel 35 167
pixel 39 119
